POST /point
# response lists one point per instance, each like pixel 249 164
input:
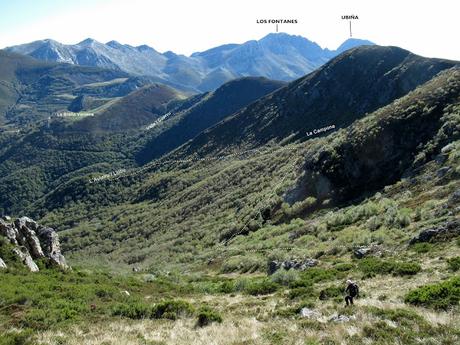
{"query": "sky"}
pixel 428 28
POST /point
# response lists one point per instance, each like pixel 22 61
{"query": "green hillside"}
pixel 354 84
pixel 32 90
pixel 194 246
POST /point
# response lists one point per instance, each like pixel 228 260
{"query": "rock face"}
pixel 442 232
pixel 372 250
pixel 2 264
pixel 32 241
pixel 26 259
pixel 300 265
pixel 454 198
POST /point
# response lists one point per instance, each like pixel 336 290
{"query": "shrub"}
pixel 226 287
pixel 261 287
pixel 315 275
pixel 374 223
pixel 372 266
pixel 335 292
pixel 301 292
pixel 454 264
pixel 421 247
pixel 344 267
pixel 132 310
pixel 16 338
pixel 403 317
pixel 206 316
pixel 406 268
pixel 438 296
pixel 243 264
pixel 284 277
pixel 171 309
pixel 293 310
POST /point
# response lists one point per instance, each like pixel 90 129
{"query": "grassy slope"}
pixel 185 210
pixel 345 89
pixel 177 216
pixel 139 108
pixel 210 110
pixel 31 90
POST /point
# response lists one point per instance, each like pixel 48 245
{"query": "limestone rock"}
pixel 442 232
pixel 51 246
pixel 448 148
pixel 300 265
pixel 442 171
pixel 342 318
pixel 26 228
pixel 32 241
pixel 2 264
pixel 454 198
pixel 309 313
pixel 26 259
pixel 9 231
pixel 373 249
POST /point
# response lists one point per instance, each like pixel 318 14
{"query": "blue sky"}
pixel 426 27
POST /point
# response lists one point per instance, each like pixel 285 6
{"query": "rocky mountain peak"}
pixel 31 241
pixel 88 41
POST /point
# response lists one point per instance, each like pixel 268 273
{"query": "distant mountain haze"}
pixel 276 56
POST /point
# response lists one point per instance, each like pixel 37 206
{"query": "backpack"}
pixel 353 289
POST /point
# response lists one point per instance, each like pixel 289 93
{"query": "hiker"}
pixel 352 291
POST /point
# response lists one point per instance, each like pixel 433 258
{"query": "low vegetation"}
pixel 441 295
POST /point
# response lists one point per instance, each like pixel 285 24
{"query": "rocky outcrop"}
pixel 300 265
pixel 442 232
pixel 371 250
pixel 2 264
pixel 26 259
pixel 454 198
pixel 32 241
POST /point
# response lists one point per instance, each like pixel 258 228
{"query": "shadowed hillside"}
pixel 357 82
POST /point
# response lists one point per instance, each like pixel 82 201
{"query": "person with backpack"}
pixel 351 291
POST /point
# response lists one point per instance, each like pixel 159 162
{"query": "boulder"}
pixel 9 231
pixel 273 266
pixel 441 159
pixel 442 171
pixel 448 148
pixel 26 259
pixel 51 246
pixel 26 228
pixel 309 313
pixel 342 318
pixel 2 264
pixel 371 250
pixel 442 232
pixel 300 265
pixel 454 198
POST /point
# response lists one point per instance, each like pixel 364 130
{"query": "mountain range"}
pixel 276 56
